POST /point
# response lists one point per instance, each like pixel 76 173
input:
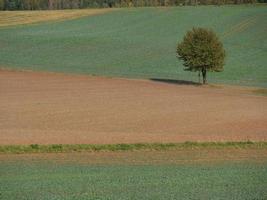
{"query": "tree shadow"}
pixel 176 82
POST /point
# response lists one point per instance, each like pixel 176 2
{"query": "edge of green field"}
pixel 145 40
pixel 64 148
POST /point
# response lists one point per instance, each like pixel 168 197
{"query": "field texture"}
pixel 222 174
pixel 55 109
pixel 139 42
pixel 12 18
pixel 47 108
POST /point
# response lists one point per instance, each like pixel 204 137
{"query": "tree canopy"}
pixel 73 4
pixel 202 51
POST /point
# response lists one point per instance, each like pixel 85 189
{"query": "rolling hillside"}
pixel 140 43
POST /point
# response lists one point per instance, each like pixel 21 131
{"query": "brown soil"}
pixel 12 18
pixel 48 108
pixel 199 156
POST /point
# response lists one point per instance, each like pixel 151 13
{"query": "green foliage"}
pixel 202 51
pixel 74 4
pixel 145 39
pixel 201 48
pixel 54 148
pixel 34 146
pixel 2 4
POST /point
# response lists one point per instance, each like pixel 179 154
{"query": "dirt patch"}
pixel 11 18
pixel 49 108
pixel 146 157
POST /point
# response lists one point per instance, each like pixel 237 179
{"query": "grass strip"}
pixel 65 148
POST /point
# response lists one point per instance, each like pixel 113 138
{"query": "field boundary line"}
pixel 67 148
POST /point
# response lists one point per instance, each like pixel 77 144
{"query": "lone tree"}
pixel 201 51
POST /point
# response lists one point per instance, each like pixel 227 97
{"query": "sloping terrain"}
pixel 49 108
pixel 12 18
pixel 139 42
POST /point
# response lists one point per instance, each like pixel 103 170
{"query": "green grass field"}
pixel 141 43
pixel 138 175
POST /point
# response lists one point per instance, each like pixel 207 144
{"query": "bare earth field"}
pixel 49 108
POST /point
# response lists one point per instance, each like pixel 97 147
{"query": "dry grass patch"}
pixel 261 91
pixel 11 18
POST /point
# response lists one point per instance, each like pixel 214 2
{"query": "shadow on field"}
pixel 176 82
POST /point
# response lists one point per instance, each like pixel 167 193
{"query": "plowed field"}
pixel 48 108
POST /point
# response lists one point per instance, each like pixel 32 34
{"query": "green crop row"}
pixel 37 148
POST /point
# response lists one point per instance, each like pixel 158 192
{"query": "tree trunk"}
pixel 204 75
pixel 199 76
pixel 50 5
